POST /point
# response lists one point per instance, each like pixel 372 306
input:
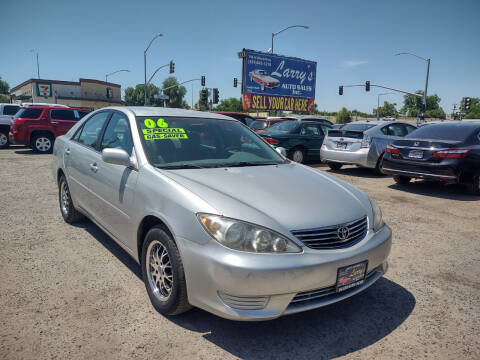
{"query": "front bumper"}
pixel 247 286
pixel 359 157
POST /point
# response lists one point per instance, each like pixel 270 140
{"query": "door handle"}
pixel 54 122
pixel 94 167
pixel 67 152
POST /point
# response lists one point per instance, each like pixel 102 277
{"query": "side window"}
pixel 81 113
pixel 63 115
pixel 310 129
pixel 396 130
pixel 248 120
pixel 10 109
pixel 91 130
pixel 117 134
pixel 410 128
pixel 77 134
pixel 385 130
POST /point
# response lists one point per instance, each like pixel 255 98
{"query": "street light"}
pixel 145 66
pixel 289 27
pixel 378 102
pixel 107 75
pixel 426 80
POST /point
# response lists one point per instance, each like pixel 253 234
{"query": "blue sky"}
pixel 352 41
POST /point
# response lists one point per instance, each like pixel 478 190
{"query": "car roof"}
pixel 55 107
pixel 161 111
pixel 471 124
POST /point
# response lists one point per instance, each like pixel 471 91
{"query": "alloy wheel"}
pixel 297 156
pixel 3 139
pixel 64 198
pixel 159 270
pixel 43 144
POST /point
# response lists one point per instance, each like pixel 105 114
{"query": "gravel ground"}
pixel 71 292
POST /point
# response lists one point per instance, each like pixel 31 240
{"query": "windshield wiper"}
pixel 182 166
pixel 250 163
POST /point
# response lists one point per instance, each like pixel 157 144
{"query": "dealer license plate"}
pixel 351 276
pixel 415 154
pixel 341 145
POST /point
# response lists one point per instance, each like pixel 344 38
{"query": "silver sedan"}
pixel 216 218
pixel 362 143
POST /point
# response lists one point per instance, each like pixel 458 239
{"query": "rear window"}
pixel 454 132
pixel 357 127
pixel 285 126
pixel 28 113
pixel 258 125
pixel 10 109
pixel 63 115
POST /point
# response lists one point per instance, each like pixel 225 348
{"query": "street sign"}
pixel 161 97
pixel 275 82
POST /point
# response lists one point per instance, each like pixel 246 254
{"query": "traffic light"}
pixel 340 90
pixel 172 67
pixel 468 103
pixel 215 96
pixel 235 82
pixel 367 85
pixel 203 80
pixel 204 97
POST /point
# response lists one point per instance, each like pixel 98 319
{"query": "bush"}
pixel 344 116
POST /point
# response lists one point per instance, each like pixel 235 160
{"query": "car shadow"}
pixel 27 151
pixel 356 171
pixel 324 333
pixel 437 189
pixel 108 243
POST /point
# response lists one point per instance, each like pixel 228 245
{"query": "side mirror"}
pixel 281 151
pixel 117 157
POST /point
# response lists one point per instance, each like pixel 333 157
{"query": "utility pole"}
pixel 145 67
pixel 38 67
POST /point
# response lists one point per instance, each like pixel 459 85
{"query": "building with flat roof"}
pixel 87 93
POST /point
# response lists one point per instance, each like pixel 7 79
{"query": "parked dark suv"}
pixel 38 126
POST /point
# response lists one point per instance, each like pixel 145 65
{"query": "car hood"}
pixel 291 195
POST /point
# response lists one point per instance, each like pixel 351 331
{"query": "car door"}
pixel 115 184
pixel 62 120
pixel 312 135
pixel 82 159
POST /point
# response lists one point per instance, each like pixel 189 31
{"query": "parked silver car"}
pixel 362 143
pixel 216 217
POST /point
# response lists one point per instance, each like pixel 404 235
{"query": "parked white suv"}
pixel 7 111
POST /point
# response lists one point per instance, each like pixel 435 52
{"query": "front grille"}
pixel 244 302
pixel 311 295
pixel 330 237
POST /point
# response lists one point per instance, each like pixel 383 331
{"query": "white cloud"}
pixel 354 63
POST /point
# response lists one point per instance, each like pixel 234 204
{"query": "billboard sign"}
pixel 275 82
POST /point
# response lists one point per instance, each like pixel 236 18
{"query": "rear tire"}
pixel 298 155
pixel 67 209
pixel 334 165
pixel 378 168
pixel 4 142
pixel 399 179
pixel 474 187
pixel 163 274
pixel 43 143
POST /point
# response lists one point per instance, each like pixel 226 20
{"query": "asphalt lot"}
pixel 71 292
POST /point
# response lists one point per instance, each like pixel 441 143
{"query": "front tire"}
pixel 162 272
pixel 67 209
pixel 402 180
pixel 4 142
pixel 43 143
pixel 334 165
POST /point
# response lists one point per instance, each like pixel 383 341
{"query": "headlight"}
pixel 240 235
pixel 377 216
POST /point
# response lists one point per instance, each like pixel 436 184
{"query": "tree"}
pixel 412 105
pixel 4 98
pixel 387 110
pixel 344 116
pixel 135 96
pixel 175 94
pixel 4 87
pixel 435 114
pixel 474 112
pixel 230 104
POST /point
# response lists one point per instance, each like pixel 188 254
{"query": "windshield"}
pixel 455 132
pixel 357 127
pixel 258 125
pixel 176 142
pixel 284 126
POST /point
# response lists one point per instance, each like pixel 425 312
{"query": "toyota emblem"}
pixel 343 233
